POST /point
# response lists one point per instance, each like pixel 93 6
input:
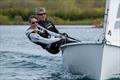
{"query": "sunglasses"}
pixel 34 22
pixel 41 14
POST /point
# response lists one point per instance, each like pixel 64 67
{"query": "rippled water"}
pixel 22 60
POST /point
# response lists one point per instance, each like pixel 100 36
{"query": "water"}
pixel 20 59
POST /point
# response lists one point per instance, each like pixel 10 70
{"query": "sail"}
pixel 113 25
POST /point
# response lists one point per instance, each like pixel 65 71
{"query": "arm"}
pixel 50 32
pixel 37 38
pixel 55 29
pixel 52 27
pixel 53 33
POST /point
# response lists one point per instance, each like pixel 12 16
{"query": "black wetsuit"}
pixel 48 25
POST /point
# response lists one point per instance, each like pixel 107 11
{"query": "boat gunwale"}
pixel 87 43
pixel 81 43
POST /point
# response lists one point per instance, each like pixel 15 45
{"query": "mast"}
pixel 106 18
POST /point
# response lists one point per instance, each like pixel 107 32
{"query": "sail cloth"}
pixel 113 23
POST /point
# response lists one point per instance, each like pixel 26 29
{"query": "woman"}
pixel 42 37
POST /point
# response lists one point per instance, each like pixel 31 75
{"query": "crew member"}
pixel 50 42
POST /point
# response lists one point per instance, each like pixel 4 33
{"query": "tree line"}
pixel 58 11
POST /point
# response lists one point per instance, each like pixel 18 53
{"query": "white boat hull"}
pixel 94 60
pixel 83 59
pixel 110 62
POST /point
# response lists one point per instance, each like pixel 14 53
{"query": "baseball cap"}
pixel 40 10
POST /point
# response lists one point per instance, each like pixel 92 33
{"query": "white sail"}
pixel 113 25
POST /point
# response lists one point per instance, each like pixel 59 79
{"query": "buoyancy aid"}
pixel 53 48
pixel 42 33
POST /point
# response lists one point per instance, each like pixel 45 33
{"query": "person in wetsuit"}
pixel 49 41
pixel 41 15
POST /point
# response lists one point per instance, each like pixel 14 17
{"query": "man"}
pixel 49 41
pixel 40 12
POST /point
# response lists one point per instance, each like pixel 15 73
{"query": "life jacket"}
pixel 53 49
pixel 42 33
